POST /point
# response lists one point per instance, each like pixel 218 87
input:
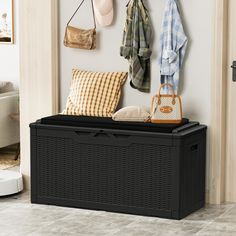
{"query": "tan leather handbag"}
pixel 80 38
pixel 166 108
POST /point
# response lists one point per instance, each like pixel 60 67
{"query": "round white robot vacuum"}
pixel 10 182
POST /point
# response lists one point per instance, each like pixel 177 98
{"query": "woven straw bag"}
pixel 80 38
pixel 166 108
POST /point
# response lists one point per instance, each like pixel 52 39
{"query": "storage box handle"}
pixel 93 134
pixel 101 133
pixel 96 136
pixel 194 147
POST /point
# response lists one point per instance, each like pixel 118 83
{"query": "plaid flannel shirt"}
pixel 135 46
pixel 173 44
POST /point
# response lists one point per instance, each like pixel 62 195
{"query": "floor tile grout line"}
pixel 226 212
pixel 204 227
pixel 214 221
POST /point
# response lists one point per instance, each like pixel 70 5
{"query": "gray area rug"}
pixel 7 161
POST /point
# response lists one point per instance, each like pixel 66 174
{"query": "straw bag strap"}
pixel 79 8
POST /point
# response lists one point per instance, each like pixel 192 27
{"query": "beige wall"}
pixel 195 81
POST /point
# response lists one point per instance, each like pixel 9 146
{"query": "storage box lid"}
pixel 108 123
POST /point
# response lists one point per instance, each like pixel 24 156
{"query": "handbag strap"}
pixel 166 85
pixel 159 95
pixel 94 21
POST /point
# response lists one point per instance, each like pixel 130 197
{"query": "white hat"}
pixel 104 11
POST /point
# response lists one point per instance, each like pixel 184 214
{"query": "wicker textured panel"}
pixel 194 175
pixel 135 175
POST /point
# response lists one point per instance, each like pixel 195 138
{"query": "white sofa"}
pixel 9 128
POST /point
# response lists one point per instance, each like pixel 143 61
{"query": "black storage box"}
pixel 122 167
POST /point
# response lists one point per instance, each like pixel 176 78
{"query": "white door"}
pixel 230 169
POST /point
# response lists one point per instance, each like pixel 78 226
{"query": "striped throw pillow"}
pixel 94 93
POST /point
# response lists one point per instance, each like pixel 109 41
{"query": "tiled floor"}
pixel 19 217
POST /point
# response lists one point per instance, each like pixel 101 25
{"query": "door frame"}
pixel 217 180
pixel 39 81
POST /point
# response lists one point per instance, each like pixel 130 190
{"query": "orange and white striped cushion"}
pixel 94 93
